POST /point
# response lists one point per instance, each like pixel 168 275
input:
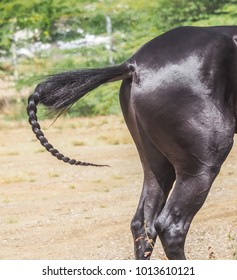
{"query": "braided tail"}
pixel 32 110
pixel 62 90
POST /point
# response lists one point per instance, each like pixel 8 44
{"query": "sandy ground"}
pixel 51 210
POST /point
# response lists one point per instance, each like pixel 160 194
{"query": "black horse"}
pixel 178 97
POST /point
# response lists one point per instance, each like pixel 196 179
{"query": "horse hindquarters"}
pixel 185 109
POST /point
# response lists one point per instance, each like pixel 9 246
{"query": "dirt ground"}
pixel 51 210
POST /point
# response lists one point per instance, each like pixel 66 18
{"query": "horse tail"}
pixel 62 90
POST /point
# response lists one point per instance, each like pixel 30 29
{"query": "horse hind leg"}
pixel 159 176
pixel 194 178
pixel 155 190
pixel 186 199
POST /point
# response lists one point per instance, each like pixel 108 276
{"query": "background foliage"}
pixel 134 23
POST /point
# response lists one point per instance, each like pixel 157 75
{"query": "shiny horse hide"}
pixel 178 97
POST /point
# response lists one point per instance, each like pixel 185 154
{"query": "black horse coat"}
pixel 178 97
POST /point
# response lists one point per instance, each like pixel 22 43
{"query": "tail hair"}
pixel 62 90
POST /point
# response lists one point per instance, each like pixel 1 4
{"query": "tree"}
pixel 178 12
pixel 30 15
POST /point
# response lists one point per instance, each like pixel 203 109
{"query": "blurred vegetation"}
pixel 133 23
